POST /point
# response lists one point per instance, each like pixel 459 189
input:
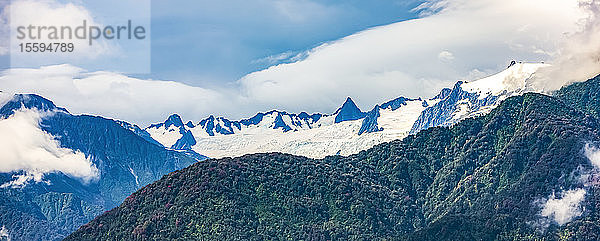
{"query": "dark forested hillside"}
pixel 584 96
pixel 487 178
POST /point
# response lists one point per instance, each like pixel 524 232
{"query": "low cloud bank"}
pixel 31 152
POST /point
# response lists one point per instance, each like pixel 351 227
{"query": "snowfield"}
pixel 319 135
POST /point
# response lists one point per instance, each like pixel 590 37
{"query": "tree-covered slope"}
pixel 483 179
pixel 584 96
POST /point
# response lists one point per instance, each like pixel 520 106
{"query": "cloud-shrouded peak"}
pixel 31 152
pixel 174 120
pixel 141 101
pixel 27 101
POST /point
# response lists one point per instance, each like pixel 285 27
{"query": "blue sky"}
pixel 207 43
pixel 212 42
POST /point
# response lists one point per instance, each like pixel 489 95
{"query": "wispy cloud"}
pixel 445 56
pixel 275 59
pixel 432 7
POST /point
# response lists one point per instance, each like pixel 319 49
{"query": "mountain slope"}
pixel 485 178
pixel 348 130
pixel 58 203
pixel 584 96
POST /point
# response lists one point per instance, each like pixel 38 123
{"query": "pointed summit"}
pixel 27 101
pixel 175 120
pixel 279 123
pixel 348 112
pixel 190 124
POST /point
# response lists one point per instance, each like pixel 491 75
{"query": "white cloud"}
pixel 274 59
pixel 22 179
pixel 591 177
pixel 578 57
pixel 81 20
pixel 403 58
pixel 53 13
pixel 565 207
pixel 28 149
pixel 115 95
pixel 593 154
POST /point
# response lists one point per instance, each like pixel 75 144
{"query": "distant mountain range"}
pixel 527 170
pixel 348 130
pixel 125 157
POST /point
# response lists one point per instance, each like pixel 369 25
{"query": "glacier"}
pixel 348 130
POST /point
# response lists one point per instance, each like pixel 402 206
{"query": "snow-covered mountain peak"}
pixel 348 130
pixel 175 120
pixel 513 79
pixel 172 133
pixel 28 101
pixel 397 103
pixel 348 112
